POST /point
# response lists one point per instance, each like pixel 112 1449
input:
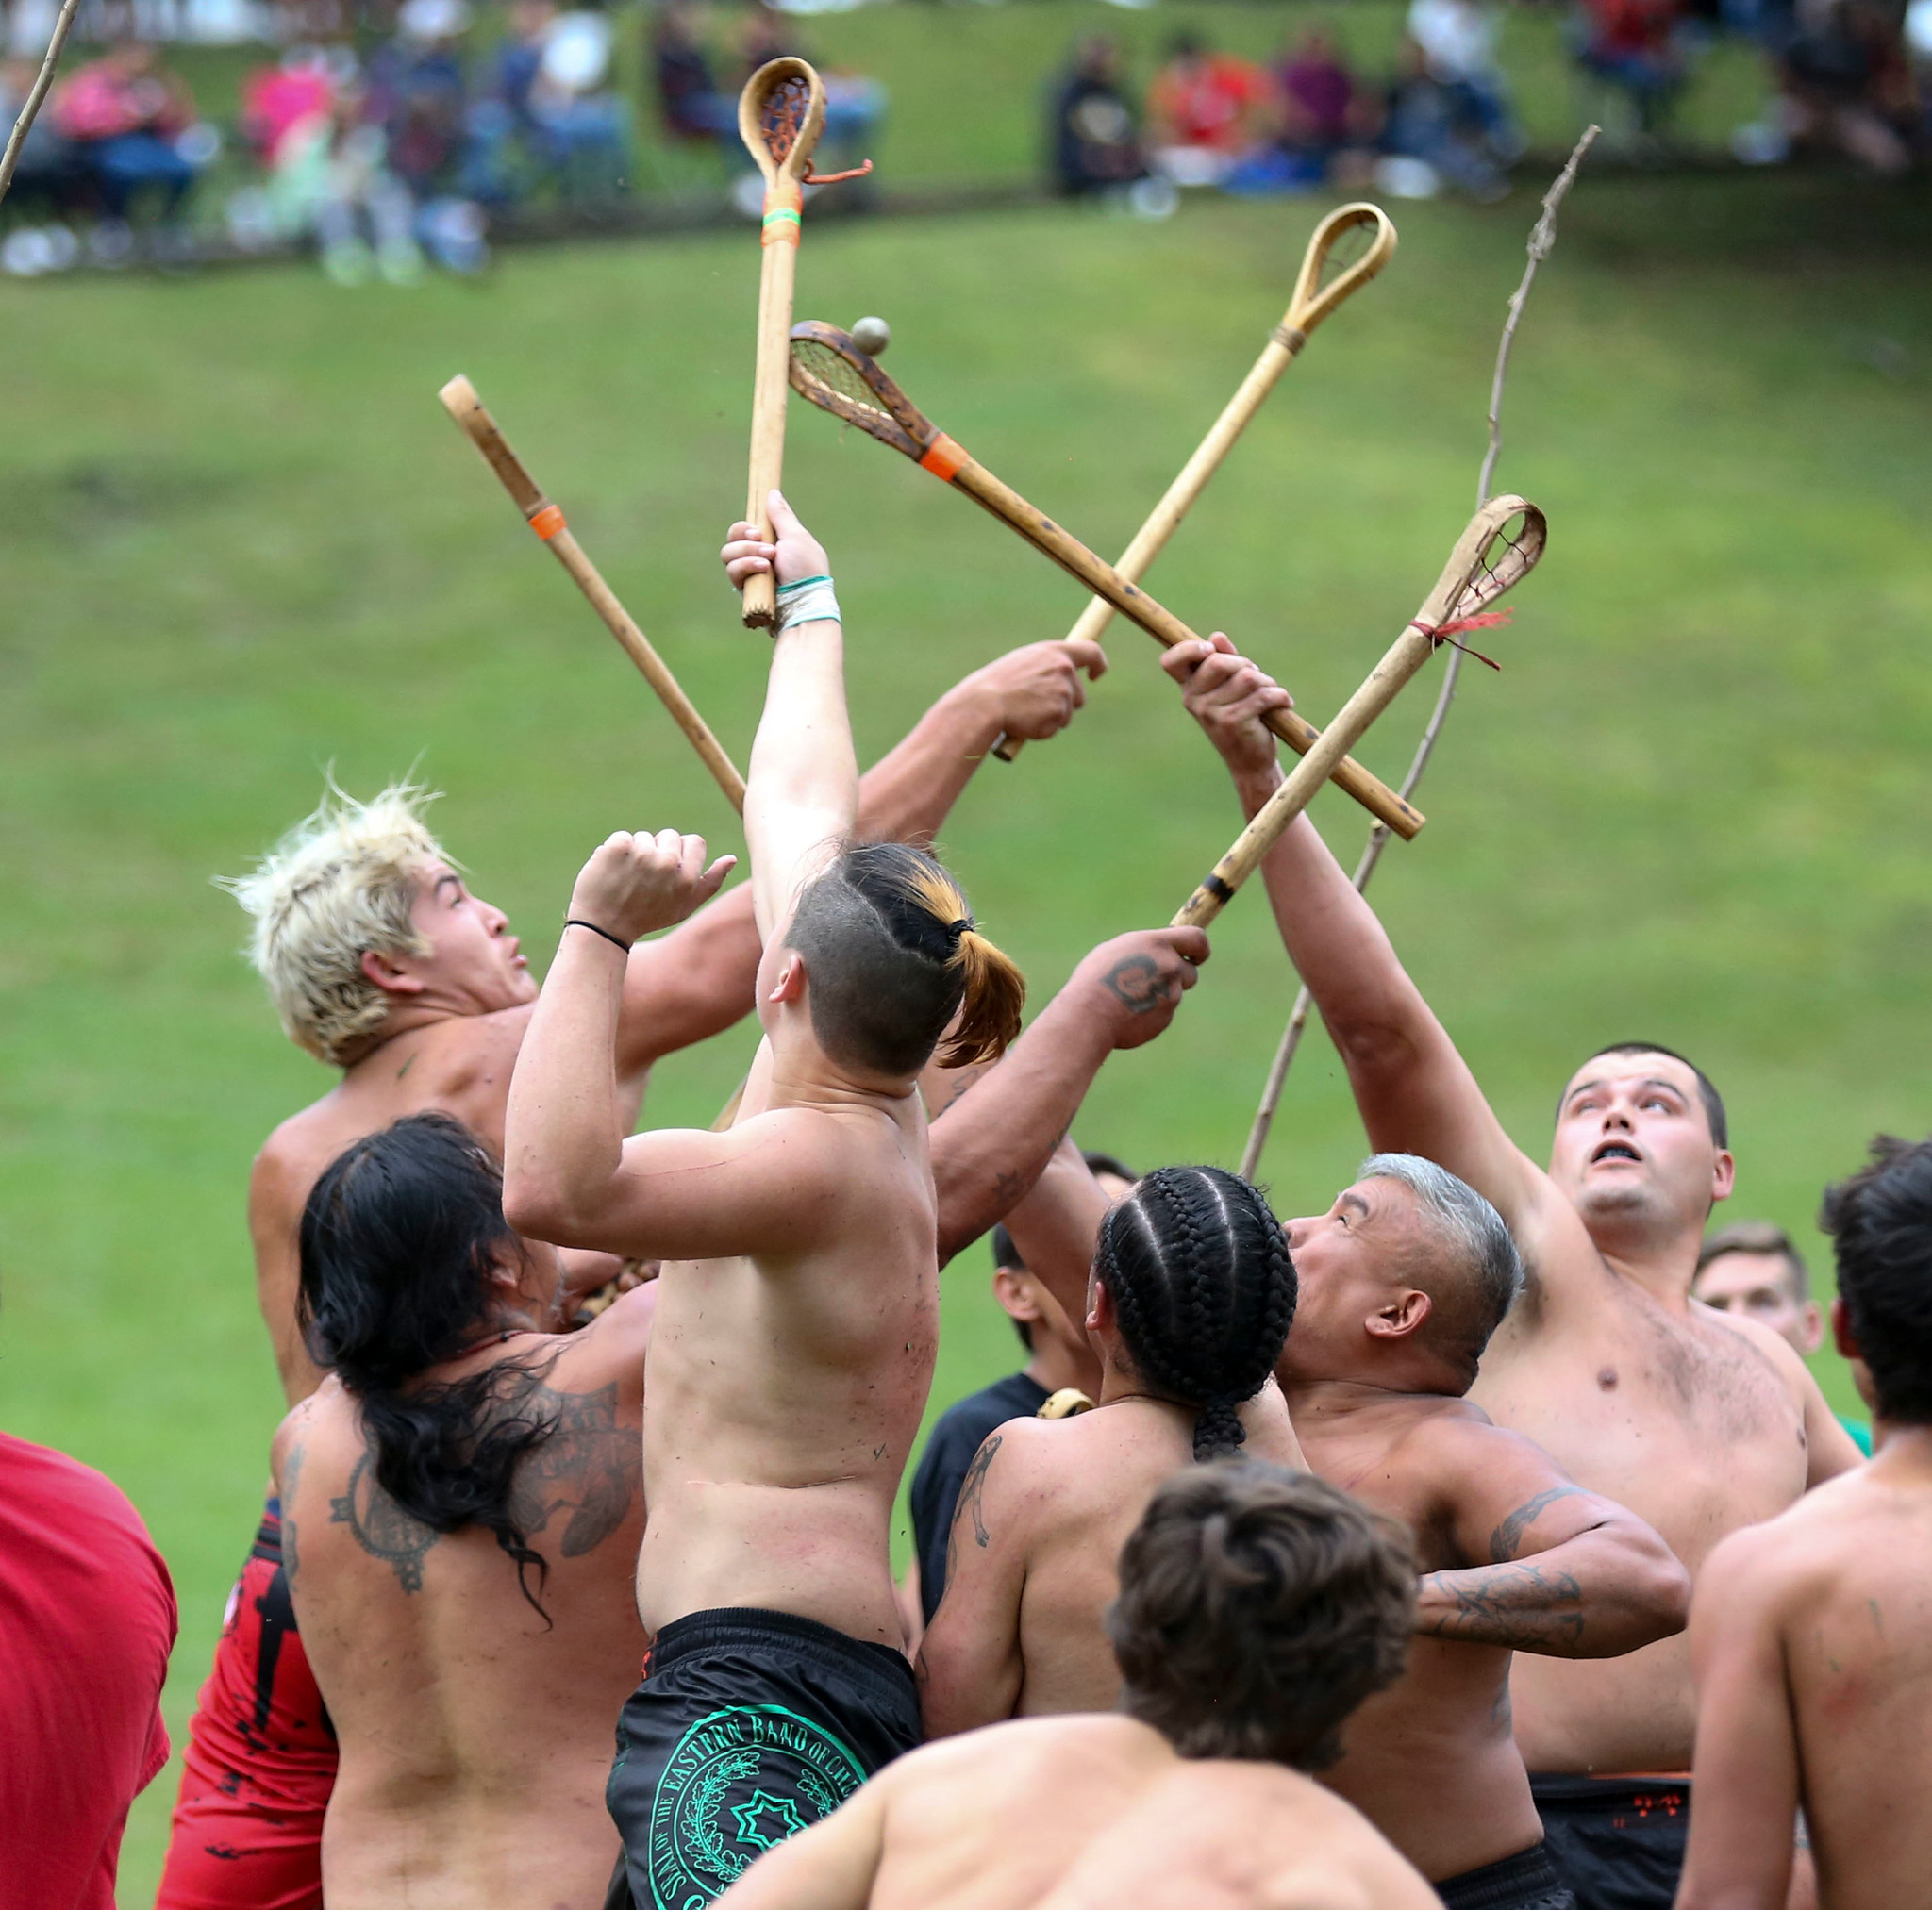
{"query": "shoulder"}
pixel 966 1422
pixel 1758 1568
pixel 611 1349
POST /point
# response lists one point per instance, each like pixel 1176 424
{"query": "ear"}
pixel 1813 1327
pixel 1400 1318
pixel 1723 1175
pixel 1014 1291
pixel 1841 1335
pixel 1101 1317
pixel 790 986
pixel 390 975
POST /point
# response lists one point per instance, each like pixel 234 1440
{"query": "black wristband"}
pixel 615 941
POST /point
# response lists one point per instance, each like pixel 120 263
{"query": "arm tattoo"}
pixel 1522 1607
pixel 1509 1536
pixel 1131 982
pixel 968 1501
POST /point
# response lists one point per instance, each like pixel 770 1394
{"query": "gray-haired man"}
pixel 1402 1282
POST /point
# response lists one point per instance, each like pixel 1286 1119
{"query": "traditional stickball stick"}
pixel 1499 549
pixel 781 112
pixel 461 401
pixel 1312 302
pixel 830 370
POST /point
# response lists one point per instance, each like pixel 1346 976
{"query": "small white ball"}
pixel 872 336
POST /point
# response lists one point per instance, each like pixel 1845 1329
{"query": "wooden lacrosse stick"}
pixel 781 112
pixel 833 373
pixel 1312 302
pixel 1497 550
pixel 461 401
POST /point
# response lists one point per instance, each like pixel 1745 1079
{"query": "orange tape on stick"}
pixel 547 521
pixel 945 458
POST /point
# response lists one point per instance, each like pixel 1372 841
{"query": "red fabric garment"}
pixel 260 1761
pixel 1207 103
pixel 87 1620
pixel 101 102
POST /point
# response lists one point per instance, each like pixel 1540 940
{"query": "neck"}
pixel 804 1076
pixel 1055 1366
pixel 1316 1402
pixel 1900 1449
pixel 1656 1255
pixel 401 1022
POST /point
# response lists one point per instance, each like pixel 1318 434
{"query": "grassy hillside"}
pixel 241 542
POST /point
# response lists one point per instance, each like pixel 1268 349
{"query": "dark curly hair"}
pixel 398 1240
pixel 1258 1608
pixel 1198 1268
pixel 1880 1221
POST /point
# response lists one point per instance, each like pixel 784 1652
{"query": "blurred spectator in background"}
pixel 1634 47
pixel 135 134
pixel 577 124
pixel 1457 43
pixel 689 100
pixel 1206 111
pixel 1324 111
pixel 419 96
pixel 276 99
pixel 1847 84
pixel 1094 143
pixel 1434 138
pixel 764 34
pixel 47 190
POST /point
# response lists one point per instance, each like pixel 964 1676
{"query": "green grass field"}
pixel 241 542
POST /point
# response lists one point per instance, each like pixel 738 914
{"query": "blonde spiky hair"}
pixel 339 886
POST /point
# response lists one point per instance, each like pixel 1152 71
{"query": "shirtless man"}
pixel 1241 1653
pixel 798 1301
pixel 1189 1302
pixel 1812 1634
pixel 381 961
pixel 461 1513
pixel 1402 1283
pixel 1700 1423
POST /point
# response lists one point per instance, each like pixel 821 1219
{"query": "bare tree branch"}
pixel 1542 239
pixel 17 139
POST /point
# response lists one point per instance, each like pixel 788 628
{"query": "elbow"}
pixel 539 1207
pixel 1656 1602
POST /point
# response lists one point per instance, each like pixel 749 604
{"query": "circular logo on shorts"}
pixel 740 1780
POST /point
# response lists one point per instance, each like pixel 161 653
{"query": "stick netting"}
pixel 830 381
pixel 782 117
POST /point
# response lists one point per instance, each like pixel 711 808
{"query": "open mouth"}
pixel 1615 1150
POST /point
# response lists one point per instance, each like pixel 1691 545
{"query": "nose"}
pixel 1616 1117
pixel 1297 1232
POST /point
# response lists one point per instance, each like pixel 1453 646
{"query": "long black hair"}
pixel 399 1239
pixel 1199 1271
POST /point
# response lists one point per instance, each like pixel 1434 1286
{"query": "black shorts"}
pixel 1618 1842
pixel 1527 1880
pixel 749 1726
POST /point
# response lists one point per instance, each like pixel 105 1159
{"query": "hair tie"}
pixel 960 927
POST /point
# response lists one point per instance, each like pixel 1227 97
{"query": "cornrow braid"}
pixel 1200 1276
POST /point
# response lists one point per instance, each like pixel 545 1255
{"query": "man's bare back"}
pixel 1813 1639
pixel 1084 1813
pixel 475 1734
pixel 1033 1559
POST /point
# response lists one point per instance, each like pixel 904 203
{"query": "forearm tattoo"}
pixel 1523 1606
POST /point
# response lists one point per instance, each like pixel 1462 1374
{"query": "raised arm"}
pixel 994 1128
pixel 1746 1770
pixel 563 1126
pixel 1415 1094
pixel 801 794
pixel 698 981
pixel 829 1867
pixel 1568 1575
pixel 970 1665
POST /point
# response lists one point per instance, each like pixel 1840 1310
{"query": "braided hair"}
pixel 1205 1291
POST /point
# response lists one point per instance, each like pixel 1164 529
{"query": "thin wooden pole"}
pixel 23 124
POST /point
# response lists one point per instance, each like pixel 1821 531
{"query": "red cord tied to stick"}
pixel 1446 633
